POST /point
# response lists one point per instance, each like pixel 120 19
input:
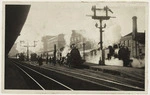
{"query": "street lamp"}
pixel 27 46
pixel 101 18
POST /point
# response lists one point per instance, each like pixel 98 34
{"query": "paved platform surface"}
pixel 119 70
pixel 127 72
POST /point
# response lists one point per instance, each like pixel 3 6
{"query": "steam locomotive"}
pixel 73 59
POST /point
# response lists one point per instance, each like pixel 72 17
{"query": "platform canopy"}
pixel 15 17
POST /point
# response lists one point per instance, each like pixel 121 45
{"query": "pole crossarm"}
pixel 27 46
pixel 30 46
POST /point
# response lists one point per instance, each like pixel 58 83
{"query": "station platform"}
pixel 118 70
pixel 126 72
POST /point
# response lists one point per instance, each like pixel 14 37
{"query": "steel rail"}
pixel 109 81
pixel 30 77
pixel 46 77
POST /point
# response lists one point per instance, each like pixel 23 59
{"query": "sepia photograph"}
pixel 75 47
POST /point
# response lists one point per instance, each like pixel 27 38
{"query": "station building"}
pixel 135 41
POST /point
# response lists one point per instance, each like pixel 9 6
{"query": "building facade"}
pixel 136 47
pixel 87 47
pixel 80 41
pixel 45 42
pixel 50 41
pixel 135 41
pixel 58 40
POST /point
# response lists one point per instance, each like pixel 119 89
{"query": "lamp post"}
pixel 101 18
pixel 27 46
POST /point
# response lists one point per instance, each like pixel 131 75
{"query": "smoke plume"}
pixel 67 46
pixel 112 35
pixel 138 63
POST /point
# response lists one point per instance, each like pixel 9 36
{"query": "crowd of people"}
pixel 50 60
pixel 121 52
pixel 72 59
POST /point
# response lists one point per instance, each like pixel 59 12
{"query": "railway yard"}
pixel 29 75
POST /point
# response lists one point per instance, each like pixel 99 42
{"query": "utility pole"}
pixel 54 54
pixel 84 51
pixel 101 18
pixel 27 46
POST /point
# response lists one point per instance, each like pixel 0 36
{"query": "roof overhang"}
pixel 15 17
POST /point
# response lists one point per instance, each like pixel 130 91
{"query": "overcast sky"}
pixel 54 18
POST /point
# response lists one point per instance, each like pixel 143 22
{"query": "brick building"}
pixel 135 41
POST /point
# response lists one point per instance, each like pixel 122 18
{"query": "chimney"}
pixel 134 32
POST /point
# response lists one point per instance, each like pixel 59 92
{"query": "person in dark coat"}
pixel 124 54
pixel 68 60
pixel 50 60
pixel 40 61
pixel 127 56
pixel 111 52
pixel 54 60
pixel 47 60
pixel 120 52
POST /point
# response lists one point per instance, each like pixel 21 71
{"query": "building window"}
pixel 78 38
pixel 129 43
pixel 126 43
pixel 74 39
pixel 123 42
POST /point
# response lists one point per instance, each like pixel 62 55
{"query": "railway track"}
pixel 44 82
pixel 86 75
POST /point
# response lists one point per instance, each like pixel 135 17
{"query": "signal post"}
pixel 101 27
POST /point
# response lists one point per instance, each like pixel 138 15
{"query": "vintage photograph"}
pixel 75 47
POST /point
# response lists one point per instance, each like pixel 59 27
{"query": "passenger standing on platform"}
pixel 40 61
pixel 120 53
pixel 54 60
pixel 124 54
pixel 116 49
pixel 50 60
pixel 47 60
pixel 37 59
pixel 127 56
pixel 111 52
pixel 68 60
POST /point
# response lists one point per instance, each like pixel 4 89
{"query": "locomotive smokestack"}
pixel 134 32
